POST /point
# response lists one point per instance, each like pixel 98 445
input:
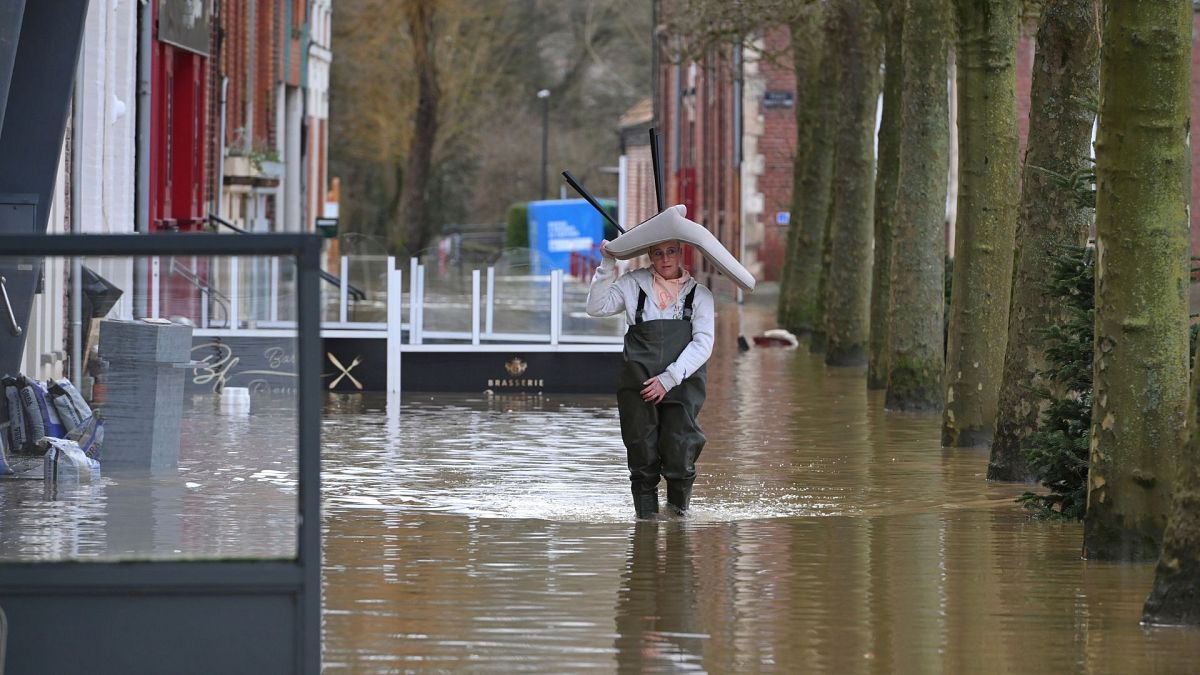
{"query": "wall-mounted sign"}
pixel 327 227
pixel 185 23
pixel 783 217
pixel 778 99
pixel 263 365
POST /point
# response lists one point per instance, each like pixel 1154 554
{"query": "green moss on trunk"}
pixel 1141 358
pixel 987 209
pixel 1175 597
pixel 807 48
pixel 859 44
pixel 819 338
pixel 1066 80
pixel 885 193
pixel 915 342
pixel 810 196
pixel 914 384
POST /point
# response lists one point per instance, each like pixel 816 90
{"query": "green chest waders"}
pixel 664 438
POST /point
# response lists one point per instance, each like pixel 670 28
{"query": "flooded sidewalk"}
pixel 496 534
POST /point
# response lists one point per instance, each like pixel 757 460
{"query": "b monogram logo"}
pixel 515 366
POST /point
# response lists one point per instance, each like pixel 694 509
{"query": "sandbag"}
pixel 5 424
pixel 72 410
pixel 32 411
pixel 89 436
pixel 64 462
pixel 5 467
pixel 18 431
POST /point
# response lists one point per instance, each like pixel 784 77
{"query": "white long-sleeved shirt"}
pixel 607 297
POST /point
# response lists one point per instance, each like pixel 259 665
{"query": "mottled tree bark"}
pixel 1141 356
pixel 859 49
pixel 810 199
pixel 915 342
pixel 1175 598
pixel 819 338
pixel 987 218
pixel 1066 79
pixel 887 171
pixel 414 226
pixel 808 48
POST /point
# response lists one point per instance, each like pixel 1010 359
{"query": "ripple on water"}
pixel 826 536
pixel 553 460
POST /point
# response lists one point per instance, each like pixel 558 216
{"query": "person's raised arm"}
pixel 605 297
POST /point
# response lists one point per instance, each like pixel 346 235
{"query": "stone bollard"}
pixel 144 405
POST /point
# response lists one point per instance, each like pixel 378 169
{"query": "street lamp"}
pixel 544 94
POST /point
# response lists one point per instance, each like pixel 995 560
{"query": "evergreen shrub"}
pixel 516 226
pixel 1058 452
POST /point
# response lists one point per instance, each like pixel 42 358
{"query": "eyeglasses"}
pixel 661 253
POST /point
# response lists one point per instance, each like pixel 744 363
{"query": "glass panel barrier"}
pixel 180 440
pixel 522 305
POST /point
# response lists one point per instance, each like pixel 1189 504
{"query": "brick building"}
pixel 320 56
pixel 697 109
pixel 769 147
pixel 264 50
pixel 729 129
pixel 180 54
pixel 636 199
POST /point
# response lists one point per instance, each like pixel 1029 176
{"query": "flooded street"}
pixel 496 534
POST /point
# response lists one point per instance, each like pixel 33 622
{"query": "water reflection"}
pixel 657 616
pixel 234 496
pixel 495 534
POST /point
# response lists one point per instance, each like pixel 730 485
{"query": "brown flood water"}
pixel 828 536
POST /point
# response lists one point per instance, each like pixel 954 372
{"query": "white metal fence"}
pixel 438 305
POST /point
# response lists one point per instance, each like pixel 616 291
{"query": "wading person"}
pixel 662 384
pixel 670 316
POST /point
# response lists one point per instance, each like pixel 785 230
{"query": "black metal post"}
pixel 591 200
pixel 656 157
pixel 544 94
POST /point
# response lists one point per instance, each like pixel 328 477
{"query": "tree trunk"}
pixel 1142 197
pixel 915 342
pixel 986 220
pixel 1066 79
pixel 859 44
pixel 414 226
pixel 1175 598
pixel 819 339
pixel 807 46
pixel 810 199
pixel 885 192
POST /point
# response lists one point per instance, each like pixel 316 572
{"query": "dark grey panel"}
pixel 18 215
pixel 514 372
pixel 204 617
pixel 34 118
pixel 262 364
pixel 36 115
pixel 11 12
pixel 133 633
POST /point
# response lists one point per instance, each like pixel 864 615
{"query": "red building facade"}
pixel 769 153
pixel 729 132
pixel 179 62
pixel 234 129
pixel 696 108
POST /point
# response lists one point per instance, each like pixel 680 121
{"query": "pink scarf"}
pixel 667 290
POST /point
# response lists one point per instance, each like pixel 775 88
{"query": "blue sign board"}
pixel 558 228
